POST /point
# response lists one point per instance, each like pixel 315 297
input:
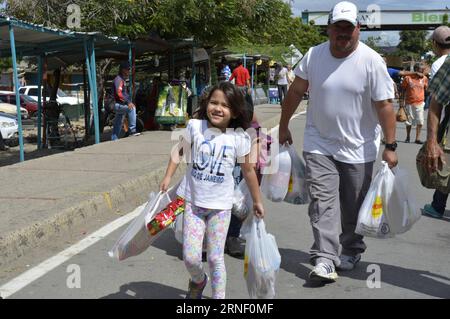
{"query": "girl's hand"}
pixel 164 186
pixel 258 210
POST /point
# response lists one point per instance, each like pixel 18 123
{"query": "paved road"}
pixel 412 265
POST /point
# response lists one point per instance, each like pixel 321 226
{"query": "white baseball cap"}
pixel 344 11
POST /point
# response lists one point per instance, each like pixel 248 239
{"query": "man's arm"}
pixel 232 76
pixel 406 73
pixel 386 116
pixel 290 104
pixel 434 155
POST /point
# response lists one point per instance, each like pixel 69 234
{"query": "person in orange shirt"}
pixel 414 88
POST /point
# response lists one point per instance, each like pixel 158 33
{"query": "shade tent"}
pixel 64 47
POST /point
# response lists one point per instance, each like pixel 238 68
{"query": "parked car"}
pixel 61 97
pixel 11 109
pixel 25 101
pixel 9 129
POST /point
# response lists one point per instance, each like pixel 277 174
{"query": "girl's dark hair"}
pixel 236 101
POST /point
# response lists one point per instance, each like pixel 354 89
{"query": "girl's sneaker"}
pixel 196 290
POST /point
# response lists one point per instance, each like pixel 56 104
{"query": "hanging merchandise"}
pixel 172 104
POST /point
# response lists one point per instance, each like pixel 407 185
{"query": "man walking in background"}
pixel 414 88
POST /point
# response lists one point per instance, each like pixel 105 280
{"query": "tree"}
pixel 412 44
pixel 372 42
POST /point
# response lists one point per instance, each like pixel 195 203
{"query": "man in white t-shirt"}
pixel 282 82
pixel 350 96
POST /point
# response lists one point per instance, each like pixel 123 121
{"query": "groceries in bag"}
pixel 261 262
pixel 275 185
pixel 297 190
pixel 372 217
pixel 166 217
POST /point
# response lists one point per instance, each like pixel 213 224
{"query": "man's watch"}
pixel 391 147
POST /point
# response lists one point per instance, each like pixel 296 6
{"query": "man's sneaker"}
pixel 348 262
pixel 135 134
pixel 235 246
pixel 196 290
pixel 323 272
pixel 429 210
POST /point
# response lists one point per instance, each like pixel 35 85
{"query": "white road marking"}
pixel 40 270
pixel 48 265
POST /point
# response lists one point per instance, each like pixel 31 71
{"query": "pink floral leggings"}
pixel 215 222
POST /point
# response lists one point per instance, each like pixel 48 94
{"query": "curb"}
pixel 122 198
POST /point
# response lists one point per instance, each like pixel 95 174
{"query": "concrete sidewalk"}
pixel 61 197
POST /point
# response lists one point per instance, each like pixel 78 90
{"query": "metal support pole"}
pixel 130 75
pixel 39 117
pixel 16 85
pixel 193 75
pixel 253 74
pixel 89 70
pixel 94 93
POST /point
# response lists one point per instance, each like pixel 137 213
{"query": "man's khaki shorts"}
pixel 415 114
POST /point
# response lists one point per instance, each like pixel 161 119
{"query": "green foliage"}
pixel 412 44
pixel 372 42
pixel 5 63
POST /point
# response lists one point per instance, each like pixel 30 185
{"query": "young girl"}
pixel 215 146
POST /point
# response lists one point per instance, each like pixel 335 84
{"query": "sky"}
pixel 387 37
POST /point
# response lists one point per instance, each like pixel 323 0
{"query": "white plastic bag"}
pixel 402 210
pixel 261 262
pixel 275 186
pixel 297 190
pixel 136 238
pixel 242 202
pixel 372 217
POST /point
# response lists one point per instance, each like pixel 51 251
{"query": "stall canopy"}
pixel 61 48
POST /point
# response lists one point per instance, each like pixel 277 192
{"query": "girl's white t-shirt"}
pixel 209 182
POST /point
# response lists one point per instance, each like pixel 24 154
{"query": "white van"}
pixel 61 97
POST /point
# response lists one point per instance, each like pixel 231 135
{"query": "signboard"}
pixel 376 18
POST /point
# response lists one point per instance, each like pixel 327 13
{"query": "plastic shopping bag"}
pixel 297 190
pixel 136 238
pixel 372 218
pixel 261 262
pixel 275 186
pixel 402 210
pixel 242 201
